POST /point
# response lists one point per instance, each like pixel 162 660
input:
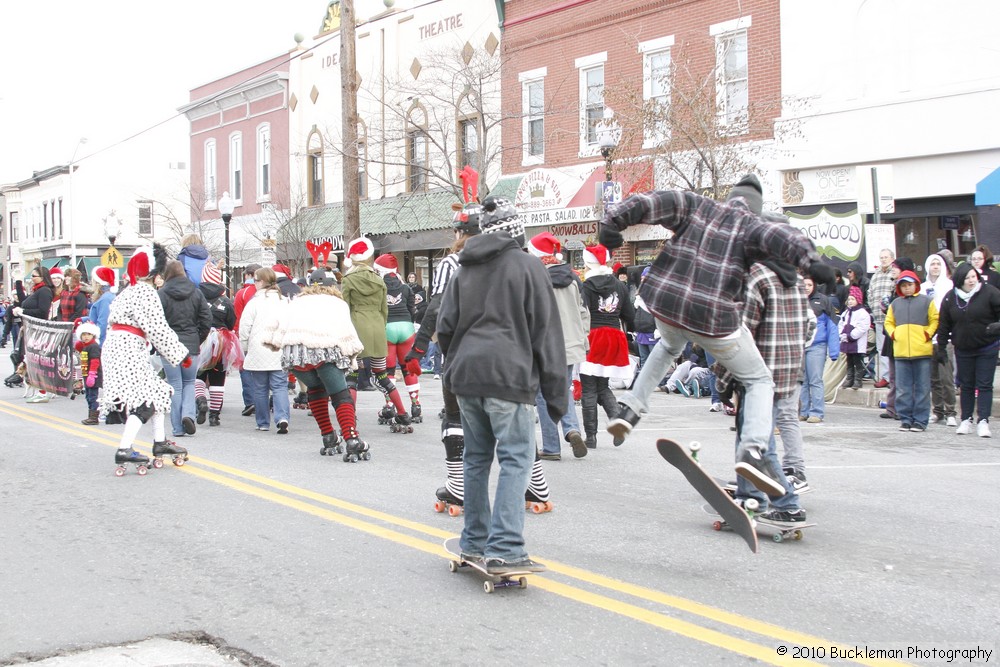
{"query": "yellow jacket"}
pixel 912 322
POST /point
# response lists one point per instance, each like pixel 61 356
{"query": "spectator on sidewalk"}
pixel 825 343
pixel 937 285
pixel 911 321
pixel 880 286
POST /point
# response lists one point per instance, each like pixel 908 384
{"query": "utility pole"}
pixel 349 122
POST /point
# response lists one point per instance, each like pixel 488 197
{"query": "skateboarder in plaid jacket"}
pixel 695 291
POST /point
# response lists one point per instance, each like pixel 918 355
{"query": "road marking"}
pixel 907 465
pixel 687 629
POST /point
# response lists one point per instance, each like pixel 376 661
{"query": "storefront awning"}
pixel 988 190
pixel 53 262
pixel 87 265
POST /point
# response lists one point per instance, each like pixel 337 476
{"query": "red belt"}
pixel 128 328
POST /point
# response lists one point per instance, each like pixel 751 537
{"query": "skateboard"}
pixel 783 531
pixel 728 486
pixel 493 581
pixel 703 483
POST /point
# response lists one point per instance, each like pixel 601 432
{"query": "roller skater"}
pixel 450 497
pixel 536 497
pixel 402 424
pixel 387 415
pixel 169 448
pixel 222 344
pixel 318 342
pixel 399 330
pixel 416 413
pixel 136 321
pixel 365 293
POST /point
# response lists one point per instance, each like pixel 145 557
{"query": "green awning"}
pixel 404 213
pixel 87 265
pixel 52 262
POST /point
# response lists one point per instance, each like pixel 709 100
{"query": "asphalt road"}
pixel 305 560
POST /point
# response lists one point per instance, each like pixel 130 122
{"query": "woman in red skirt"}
pixel 608 301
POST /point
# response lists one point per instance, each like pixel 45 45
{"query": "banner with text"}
pixel 839 235
pixel 48 354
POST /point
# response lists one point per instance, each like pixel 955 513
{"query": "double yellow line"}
pixel 319 505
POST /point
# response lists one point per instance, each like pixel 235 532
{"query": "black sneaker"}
pixel 622 424
pixel 282 427
pixel 797 479
pixel 783 517
pixel 500 566
pixel 576 441
pixel 202 405
pixel 247 410
pixel 471 558
pixel 888 415
pixel 550 456
pixel 188 425
pixel 906 426
pixel 917 428
pixel 751 467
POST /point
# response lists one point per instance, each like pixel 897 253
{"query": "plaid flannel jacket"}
pixel 697 282
pixel 880 285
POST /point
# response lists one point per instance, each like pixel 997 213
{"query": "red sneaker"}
pixel 882 384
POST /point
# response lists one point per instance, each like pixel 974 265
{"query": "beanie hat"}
pixel 55 272
pixel 282 271
pixel 545 245
pixel 210 274
pixel 904 264
pixel 386 264
pixel 140 264
pixel 595 254
pixel 103 276
pixel 321 277
pixel 750 190
pixel 359 250
pixel 87 326
pixel 500 215
pixel 855 291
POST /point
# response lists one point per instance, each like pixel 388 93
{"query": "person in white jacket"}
pixel 270 382
pixel 937 284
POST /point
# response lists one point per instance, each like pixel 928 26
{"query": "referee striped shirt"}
pixel 443 273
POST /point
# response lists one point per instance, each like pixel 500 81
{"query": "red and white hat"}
pixel 595 254
pixel 140 265
pixel 210 274
pixel 87 326
pixel 545 245
pixel 55 272
pixel 103 276
pixel 359 250
pixel 386 264
pixel 282 271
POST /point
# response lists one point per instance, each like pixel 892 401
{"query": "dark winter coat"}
pixel 499 327
pixel 963 323
pixel 38 303
pixel 223 310
pixel 608 301
pixel 287 287
pixel 862 282
pixel 419 301
pixel 399 299
pixel 186 311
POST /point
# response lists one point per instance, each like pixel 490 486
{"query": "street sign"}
pixel 611 192
pixel 112 258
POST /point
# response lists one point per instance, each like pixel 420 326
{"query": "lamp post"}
pixel 608 134
pixel 226 209
pixel 72 205
pixel 112 229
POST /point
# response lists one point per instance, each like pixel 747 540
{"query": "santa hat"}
pixel 386 264
pixel 103 276
pixel 359 250
pixel 55 272
pixel 140 264
pixel 210 274
pixel 282 271
pixel 545 245
pixel 86 326
pixel 595 254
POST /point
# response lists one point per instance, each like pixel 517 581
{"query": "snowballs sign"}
pixel 837 235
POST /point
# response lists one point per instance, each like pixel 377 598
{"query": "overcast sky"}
pixel 106 69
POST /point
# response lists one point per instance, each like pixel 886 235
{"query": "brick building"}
pixel 694 87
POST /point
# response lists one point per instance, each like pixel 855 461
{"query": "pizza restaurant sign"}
pixel 543 196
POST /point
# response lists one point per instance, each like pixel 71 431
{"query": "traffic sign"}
pixel 611 192
pixel 112 258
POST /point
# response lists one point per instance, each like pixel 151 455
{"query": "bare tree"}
pixel 199 221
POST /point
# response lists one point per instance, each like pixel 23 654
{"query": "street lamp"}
pixel 608 134
pixel 72 204
pixel 112 227
pixel 226 207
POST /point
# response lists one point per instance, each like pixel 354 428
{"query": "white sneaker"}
pixel 933 420
pixel 952 421
pixel 964 428
pixel 716 407
pixel 983 429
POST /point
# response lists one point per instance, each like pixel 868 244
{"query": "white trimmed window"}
pixel 236 167
pixel 211 176
pixel 591 99
pixel 533 114
pixel 732 73
pixel 264 163
pixel 656 89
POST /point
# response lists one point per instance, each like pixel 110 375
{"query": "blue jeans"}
pixel 737 352
pixel 246 380
pixel 270 386
pixel 744 489
pixel 975 373
pixel 432 359
pixel 811 396
pixel 644 352
pixel 508 428
pixel 182 405
pixel 913 390
pixel 550 434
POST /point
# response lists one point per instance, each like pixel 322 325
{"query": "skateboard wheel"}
pixel 798 534
pixel 717 525
pixel 488 586
pixel 157 463
pixel 119 471
pixel 453 566
pixel 752 505
pixel 522 582
pixel 694 447
pixel 777 537
pixel 439 506
pixel 454 510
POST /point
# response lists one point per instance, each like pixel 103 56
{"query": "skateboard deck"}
pixel 703 483
pixel 781 532
pixel 493 581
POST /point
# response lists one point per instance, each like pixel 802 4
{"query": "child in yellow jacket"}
pixel 911 322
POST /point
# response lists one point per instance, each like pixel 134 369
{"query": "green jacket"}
pixel 364 291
